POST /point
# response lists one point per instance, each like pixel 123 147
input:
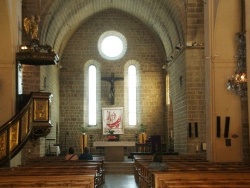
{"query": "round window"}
pixel 112 45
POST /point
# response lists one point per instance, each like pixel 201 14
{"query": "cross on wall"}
pixel 112 80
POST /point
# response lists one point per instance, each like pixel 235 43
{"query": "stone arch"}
pixel 65 18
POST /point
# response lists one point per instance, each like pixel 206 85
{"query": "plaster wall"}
pixel 226 104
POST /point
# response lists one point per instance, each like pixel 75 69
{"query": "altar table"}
pixel 114 150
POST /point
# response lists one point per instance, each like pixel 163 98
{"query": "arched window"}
pixel 132 81
pixel 92 95
pixel 167 90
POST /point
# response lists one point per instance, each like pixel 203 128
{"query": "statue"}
pixel 32 52
pixel 31 26
pixel 112 80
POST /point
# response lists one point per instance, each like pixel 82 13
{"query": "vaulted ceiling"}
pixel 167 18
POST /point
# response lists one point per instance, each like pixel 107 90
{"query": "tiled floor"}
pixel 120 181
pixel 116 180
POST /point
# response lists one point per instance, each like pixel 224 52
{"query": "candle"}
pixel 197 147
pixel 171 133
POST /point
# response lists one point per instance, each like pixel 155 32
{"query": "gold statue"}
pixel 31 26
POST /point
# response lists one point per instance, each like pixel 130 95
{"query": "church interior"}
pixel 126 79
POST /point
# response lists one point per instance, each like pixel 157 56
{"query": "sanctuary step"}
pixel 131 156
pixel 125 167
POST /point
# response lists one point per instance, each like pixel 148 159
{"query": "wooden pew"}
pixel 51 172
pixel 201 179
pixel 146 177
pixel 60 168
pixel 77 181
pixel 60 161
pixel 140 159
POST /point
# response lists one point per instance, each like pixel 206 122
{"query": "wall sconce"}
pixel 164 67
pixel 23 48
pixel 168 61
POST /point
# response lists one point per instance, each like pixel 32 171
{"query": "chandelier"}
pixel 238 82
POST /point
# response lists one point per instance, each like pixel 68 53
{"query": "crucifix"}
pixel 112 80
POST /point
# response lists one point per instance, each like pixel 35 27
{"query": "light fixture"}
pixel 175 53
pixel 23 47
pixel 238 82
pixel 168 60
pixel 178 47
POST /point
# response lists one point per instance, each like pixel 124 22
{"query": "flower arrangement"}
pixel 111 136
pixel 111 131
pixel 83 129
pixel 142 128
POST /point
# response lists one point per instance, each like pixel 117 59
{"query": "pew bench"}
pixel 145 176
pixel 179 159
pixel 90 169
pixel 201 179
pixel 26 172
pixel 77 181
pixel 51 162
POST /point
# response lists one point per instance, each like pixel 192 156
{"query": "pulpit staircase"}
pixel 31 122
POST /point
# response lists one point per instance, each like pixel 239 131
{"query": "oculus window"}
pixel 112 45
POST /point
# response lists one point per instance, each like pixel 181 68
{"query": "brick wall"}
pixel 31 78
pixel 195 97
pixel 187 84
pixel 178 88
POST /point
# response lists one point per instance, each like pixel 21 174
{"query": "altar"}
pixel 114 150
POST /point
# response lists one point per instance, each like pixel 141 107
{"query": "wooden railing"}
pixel 31 122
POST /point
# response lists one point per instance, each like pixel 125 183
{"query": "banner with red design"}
pixel 112 120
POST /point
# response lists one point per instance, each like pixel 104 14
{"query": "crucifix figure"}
pixel 112 80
